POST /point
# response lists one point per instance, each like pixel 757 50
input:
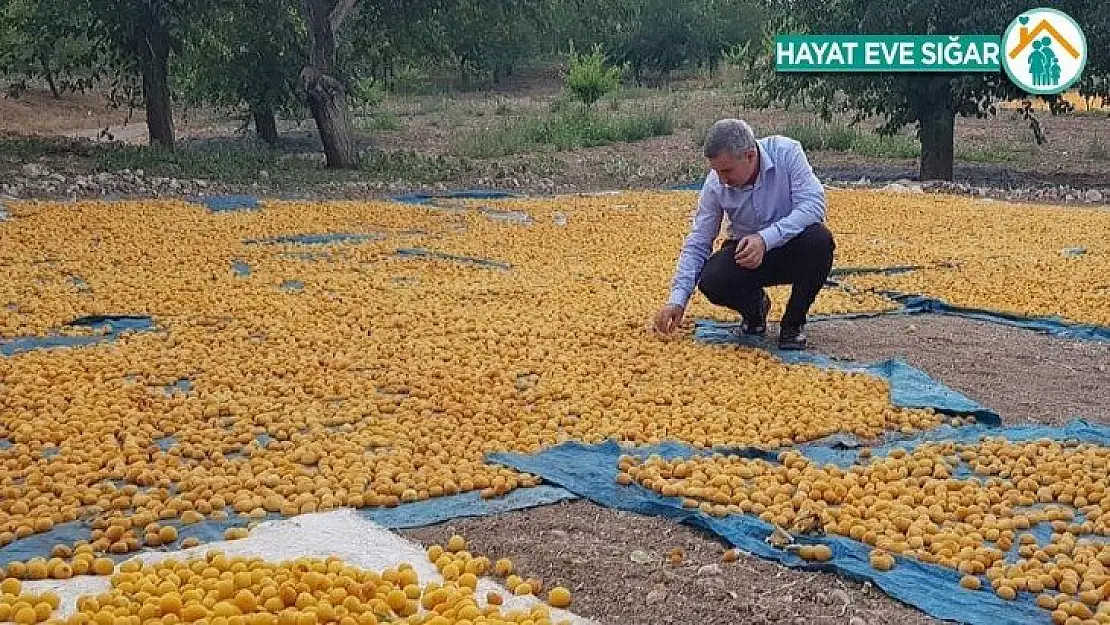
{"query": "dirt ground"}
pixel 1077 152
pixel 1026 377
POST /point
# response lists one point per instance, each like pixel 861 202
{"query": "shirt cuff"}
pixel 679 297
pixel 771 236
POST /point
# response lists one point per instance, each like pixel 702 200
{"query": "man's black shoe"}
pixel 757 326
pixel 792 337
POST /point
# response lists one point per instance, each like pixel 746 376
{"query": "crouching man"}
pixel 777 235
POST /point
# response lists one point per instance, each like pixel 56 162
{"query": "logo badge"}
pixel 1044 51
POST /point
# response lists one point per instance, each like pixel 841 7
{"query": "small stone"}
pixel 640 557
pixel 35 170
pixel 657 595
pixel 840 596
pixel 855 620
pixel 263 174
pixel 1094 195
pixel 709 570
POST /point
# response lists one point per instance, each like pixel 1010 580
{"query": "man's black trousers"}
pixel 803 262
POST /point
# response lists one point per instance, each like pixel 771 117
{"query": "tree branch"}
pixel 342 9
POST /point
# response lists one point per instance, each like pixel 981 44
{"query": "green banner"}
pixel 888 53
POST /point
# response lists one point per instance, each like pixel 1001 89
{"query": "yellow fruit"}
pixel 881 561
pixel 456 543
pixel 25 616
pixel 970 582
pixel 11 586
pixel 169 603
pixel 558 597
pixel 817 553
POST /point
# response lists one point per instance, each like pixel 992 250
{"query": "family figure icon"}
pixel 1043 64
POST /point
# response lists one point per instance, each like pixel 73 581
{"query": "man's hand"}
pixel 750 251
pixel 668 318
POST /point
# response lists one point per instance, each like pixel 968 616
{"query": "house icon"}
pixel 1026 37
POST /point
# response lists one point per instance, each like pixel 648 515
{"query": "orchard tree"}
pixel 45 39
pixel 326 94
pixel 931 101
pixel 141 35
pixel 1094 19
pixel 235 58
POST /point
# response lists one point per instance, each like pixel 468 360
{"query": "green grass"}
pixel 843 138
pixel 379 121
pixel 565 130
pixel 242 166
pixel 32 147
pixel 1098 151
pixel 413 167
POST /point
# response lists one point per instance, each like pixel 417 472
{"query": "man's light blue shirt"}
pixel 785 199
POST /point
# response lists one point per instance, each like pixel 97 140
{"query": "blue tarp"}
pixel 109 326
pixel 913 304
pixel 857 271
pixel 466 194
pixel 414 252
pixel 228 203
pixel 318 239
pixel 590 471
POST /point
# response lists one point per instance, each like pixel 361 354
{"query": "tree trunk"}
pixel 930 100
pixel 937 146
pixel 154 54
pixel 328 103
pixel 265 123
pixel 49 75
pixel 327 99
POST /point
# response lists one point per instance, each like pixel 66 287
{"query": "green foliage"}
pixel 563 131
pixel 46 39
pixel 658 37
pixel 234 58
pixel 590 77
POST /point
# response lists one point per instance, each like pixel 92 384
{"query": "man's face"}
pixel 732 170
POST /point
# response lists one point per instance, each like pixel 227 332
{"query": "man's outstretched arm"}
pixel 807 197
pixel 696 247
